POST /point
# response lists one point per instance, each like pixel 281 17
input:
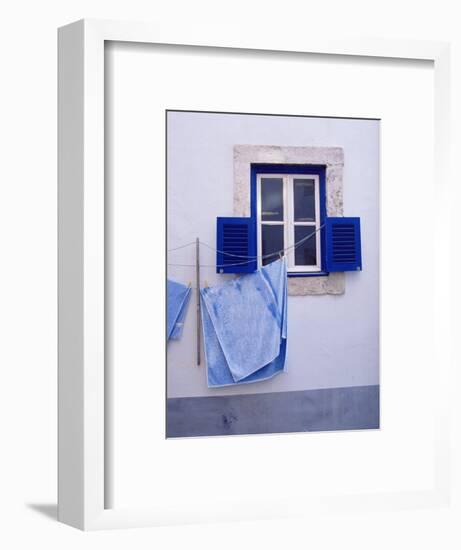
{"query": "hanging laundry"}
pixel 245 326
pixel 178 296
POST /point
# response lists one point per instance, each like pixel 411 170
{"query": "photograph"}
pixel 272 273
pixel 230 285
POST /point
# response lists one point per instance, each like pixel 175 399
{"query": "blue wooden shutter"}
pixel 343 247
pixel 236 240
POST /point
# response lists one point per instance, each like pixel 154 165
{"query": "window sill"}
pixel 308 274
pixel 318 283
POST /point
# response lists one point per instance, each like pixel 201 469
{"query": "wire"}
pixel 246 257
pixel 182 246
pixel 227 253
pixel 251 258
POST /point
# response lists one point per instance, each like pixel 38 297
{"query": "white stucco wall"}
pixel 333 341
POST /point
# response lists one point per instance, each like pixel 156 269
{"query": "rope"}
pixel 251 258
pixel 179 247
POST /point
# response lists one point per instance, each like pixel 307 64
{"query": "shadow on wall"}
pixel 50 511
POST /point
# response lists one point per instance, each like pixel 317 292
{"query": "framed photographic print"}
pixel 247 226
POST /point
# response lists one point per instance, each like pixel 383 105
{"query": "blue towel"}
pixel 245 327
pixel 178 296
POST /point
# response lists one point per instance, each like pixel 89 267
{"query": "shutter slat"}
pixel 236 236
pixel 343 244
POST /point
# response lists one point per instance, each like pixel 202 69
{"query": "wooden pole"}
pixel 197 287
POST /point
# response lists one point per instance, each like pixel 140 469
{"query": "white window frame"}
pixel 288 220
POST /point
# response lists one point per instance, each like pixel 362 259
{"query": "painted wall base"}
pixel 352 408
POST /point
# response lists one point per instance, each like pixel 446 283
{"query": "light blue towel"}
pixel 178 296
pixel 245 326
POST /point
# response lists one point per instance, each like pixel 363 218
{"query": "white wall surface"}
pixel 28 276
pixel 332 340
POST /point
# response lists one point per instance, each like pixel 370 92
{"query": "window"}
pixel 289 211
pixel 288 208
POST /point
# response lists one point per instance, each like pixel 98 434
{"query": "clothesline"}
pixel 249 258
pixel 181 246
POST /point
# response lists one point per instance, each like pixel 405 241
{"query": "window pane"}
pixel 272 242
pixel 304 199
pixel 305 253
pixel 272 199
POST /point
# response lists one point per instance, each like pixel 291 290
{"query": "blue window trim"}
pixel 314 169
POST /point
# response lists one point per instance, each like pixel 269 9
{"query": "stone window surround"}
pixel 333 159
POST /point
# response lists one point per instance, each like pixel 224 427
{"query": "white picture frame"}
pixel 82 470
